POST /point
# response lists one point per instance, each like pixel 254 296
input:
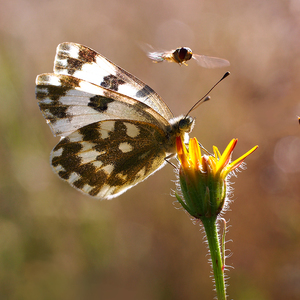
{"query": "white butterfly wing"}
pixel 105 159
pixel 69 103
pixel 87 64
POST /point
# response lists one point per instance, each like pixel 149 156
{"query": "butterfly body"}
pixel 116 131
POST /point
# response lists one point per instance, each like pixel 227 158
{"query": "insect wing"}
pixel 106 158
pixel 86 64
pixel 210 61
pixel 69 103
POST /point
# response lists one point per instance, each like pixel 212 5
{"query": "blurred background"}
pixel 56 243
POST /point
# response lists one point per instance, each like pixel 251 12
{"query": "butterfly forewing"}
pixel 106 158
pixel 69 103
pixel 85 63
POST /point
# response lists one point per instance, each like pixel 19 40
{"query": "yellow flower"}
pixel 203 178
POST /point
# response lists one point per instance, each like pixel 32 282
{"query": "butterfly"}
pixel 183 54
pixel 115 130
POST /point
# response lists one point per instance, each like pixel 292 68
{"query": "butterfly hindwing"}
pixel 106 158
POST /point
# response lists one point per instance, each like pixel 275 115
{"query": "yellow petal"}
pixel 181 152
pixel 240 159
pixel 195 153
pixel 225 157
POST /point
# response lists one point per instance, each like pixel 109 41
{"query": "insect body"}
pixel 183 54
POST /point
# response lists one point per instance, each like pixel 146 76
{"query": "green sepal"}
pixel 183 204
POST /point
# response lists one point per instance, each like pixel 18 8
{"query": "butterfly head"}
pixel 186 124
pixel 182 126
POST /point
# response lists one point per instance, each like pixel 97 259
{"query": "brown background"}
pixel 56 243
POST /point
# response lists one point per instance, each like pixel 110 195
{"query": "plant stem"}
pixel 210 226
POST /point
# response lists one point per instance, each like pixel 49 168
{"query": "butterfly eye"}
pixel 186 124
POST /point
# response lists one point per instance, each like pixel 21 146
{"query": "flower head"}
pixel 203 178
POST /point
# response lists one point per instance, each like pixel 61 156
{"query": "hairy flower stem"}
pixel 210 226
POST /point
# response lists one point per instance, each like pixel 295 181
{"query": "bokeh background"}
pixel 56 243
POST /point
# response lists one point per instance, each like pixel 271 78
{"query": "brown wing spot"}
pixel 90 176
pixel 99 103
pixel 74 65
pixel 87 55
pixel 69 82
pixel 91 132
pixel 112 82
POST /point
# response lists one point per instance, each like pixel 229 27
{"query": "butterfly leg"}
pixel 169 162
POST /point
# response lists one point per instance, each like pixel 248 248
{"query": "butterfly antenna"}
pixel 206 97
